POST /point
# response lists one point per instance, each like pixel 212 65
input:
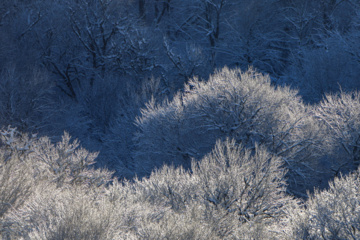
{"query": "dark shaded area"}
pixel 89 66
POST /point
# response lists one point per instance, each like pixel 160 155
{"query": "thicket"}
pixel 231 193
pixel 241 189
pixel 50 191
pixel 196 150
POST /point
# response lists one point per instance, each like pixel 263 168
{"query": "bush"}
pixel 66 163
pixel 16 181
pixel 15 177
pixel 32 168
pixel 65 213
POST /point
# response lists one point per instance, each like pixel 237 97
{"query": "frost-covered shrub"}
pixel 16 180
pixel 16 183
pixel 29 164
pixel 66 163
pixel 65 213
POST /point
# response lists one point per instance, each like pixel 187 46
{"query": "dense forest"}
pixel 179 119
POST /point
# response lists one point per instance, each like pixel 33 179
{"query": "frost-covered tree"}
pixel 231 192
pixel 235 104
pixel 341 116
pixel 329 214
pixel 239 180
